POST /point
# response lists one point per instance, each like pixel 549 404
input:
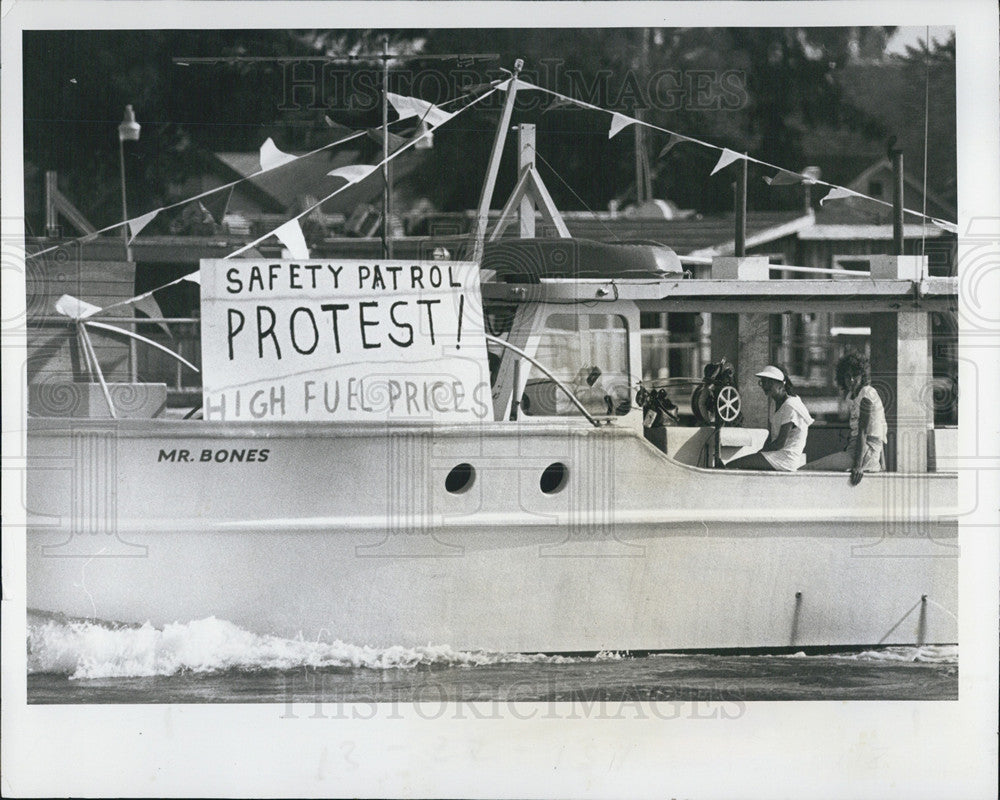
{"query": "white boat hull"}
pixel 348 532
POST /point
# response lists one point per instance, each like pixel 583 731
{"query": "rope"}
pixel 530 86
pixel 391 156
pixel 578 198
pixel 303 213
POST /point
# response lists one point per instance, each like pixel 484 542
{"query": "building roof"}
pixel 694 236
pixel 913 191
pixel 856 232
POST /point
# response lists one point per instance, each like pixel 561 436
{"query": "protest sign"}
pixel 343 340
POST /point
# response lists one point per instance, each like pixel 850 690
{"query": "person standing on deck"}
pixel 789 426
pixel 868 427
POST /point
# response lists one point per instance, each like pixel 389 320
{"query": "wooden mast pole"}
pixel 386 186
pixel 482 213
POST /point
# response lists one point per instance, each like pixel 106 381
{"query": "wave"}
pixel 85 649
pixel 89 649
pixel 927 653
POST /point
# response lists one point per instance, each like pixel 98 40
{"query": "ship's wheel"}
pixel 727 404
pixel 712 405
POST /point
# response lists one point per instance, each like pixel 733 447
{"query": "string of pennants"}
pixel 430 117
pixel 272 158
pixel 782 177
pixel 289 233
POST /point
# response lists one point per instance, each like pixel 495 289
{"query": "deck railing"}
pixel 147 364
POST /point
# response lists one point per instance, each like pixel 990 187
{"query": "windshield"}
pixel 589 353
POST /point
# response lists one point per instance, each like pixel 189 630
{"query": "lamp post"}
pixel 128 130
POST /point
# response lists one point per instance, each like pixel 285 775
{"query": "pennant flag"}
pixel 727 158
pixel 559 102
pixel 618 123
pixel 355 173
pixel 290 235
pixel 784 178
pixel 271 156
pixel 75 308
pixel 336 126
pixel 944 225
pixel 413 107
pixel 674 140
pixel 148 306
pixel 194 277
pixel 837 193
pixel 215 205
pixel 395 140
pixel 137 224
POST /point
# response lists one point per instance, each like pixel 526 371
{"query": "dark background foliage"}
pixel 789 96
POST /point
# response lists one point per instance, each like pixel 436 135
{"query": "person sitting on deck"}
pixel 783 451
pixel 868 428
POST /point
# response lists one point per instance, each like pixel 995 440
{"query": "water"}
pixel 214 661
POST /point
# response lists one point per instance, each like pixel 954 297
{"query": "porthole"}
pixel 554 478
pixel 460 478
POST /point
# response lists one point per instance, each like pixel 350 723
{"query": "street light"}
pixel 128 130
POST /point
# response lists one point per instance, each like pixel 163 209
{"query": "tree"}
pixel 777 93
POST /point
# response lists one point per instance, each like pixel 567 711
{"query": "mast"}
pixel 386 185
pixel 483 212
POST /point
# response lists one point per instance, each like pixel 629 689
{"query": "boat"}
pixel 523 502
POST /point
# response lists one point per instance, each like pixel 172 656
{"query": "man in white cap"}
pixel 790 421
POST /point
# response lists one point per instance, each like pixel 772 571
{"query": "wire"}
pixel 632 120
pixel 579 199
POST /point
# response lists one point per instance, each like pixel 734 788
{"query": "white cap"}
pixel 773 373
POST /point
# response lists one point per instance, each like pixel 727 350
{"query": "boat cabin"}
pixel 563 318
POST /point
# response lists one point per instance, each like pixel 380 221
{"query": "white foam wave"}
pixel 927 653
pixel 84 649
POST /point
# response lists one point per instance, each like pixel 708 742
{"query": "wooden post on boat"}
pixel 483 212
pixel 526 160
pixel 901 369
pixel 386 182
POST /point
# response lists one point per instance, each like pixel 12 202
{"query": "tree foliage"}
pixel 765 91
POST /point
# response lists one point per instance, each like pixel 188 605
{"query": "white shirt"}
pixel 790 457
pixel 876 422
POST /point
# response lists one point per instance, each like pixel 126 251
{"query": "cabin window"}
pixel 588 353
